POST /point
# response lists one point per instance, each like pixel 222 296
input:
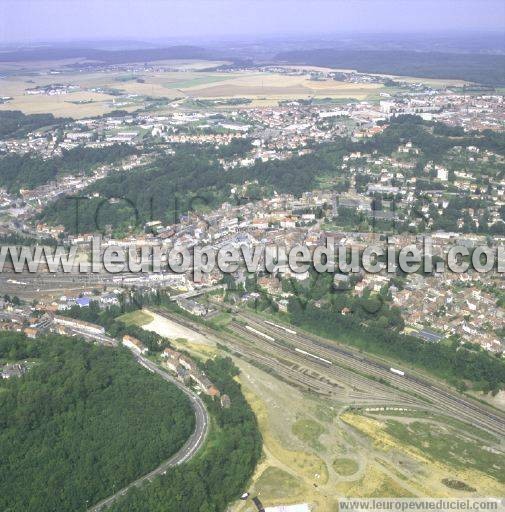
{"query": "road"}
pixel 190 448
pixel 196 293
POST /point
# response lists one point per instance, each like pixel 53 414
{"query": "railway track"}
pixel 441 399
pixel 244 343
pixel 250 353
pixel 361 387
pixel 355 369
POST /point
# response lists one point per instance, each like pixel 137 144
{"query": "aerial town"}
pixel 252 256
pixel 371 190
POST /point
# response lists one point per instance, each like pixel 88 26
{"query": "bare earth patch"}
pixel 165 327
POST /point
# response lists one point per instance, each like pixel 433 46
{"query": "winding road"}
pixel 190 448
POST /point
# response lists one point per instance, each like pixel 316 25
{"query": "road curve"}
pixel 191 446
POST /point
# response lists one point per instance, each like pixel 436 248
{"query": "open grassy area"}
pixel 436 453
pixel 306 464
pixel 373 483
pixel 305 475
pixel 275 484
pixel 453 422
pixel 220 320
pixel 138 318
pixel 345 467
pixel 197 350
pixel 290 419
pixel 309 431
pixel 446 445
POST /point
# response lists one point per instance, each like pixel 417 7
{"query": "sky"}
pixel 67 20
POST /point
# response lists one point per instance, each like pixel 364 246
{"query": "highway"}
pixel 190 448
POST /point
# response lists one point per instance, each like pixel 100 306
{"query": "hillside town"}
pixel 252 256
pixel 393 198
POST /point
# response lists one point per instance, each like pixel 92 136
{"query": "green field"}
pixel 309 431
pixel 198 80
pixel 276 484
pixel 138 318
pixel 221 320
pixel 345 467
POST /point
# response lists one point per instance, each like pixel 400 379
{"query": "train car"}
pixel 259 333
pixel 13 281
pixel 305 353
pixel 289 331
pixel 397 372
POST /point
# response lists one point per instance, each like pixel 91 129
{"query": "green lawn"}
pixel 138 318
pixel 221 320
pixel 275 484
pixel 345 467
pixel 308 431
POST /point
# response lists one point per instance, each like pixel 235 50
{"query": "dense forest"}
pixel 471 64
pixel 107 56
pixel 479 68
pixel 433 139
pixel 175 184
pixel 187 181
pixel 83 421
pixel 13 123
pixel 20 239
pixel 26 171
pixel 210 482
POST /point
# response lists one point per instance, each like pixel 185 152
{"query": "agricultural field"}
pixel 16 78
pixel 102 92
pixel 435 82
pixel 281 87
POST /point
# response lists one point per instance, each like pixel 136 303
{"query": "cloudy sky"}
pixel 47 20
